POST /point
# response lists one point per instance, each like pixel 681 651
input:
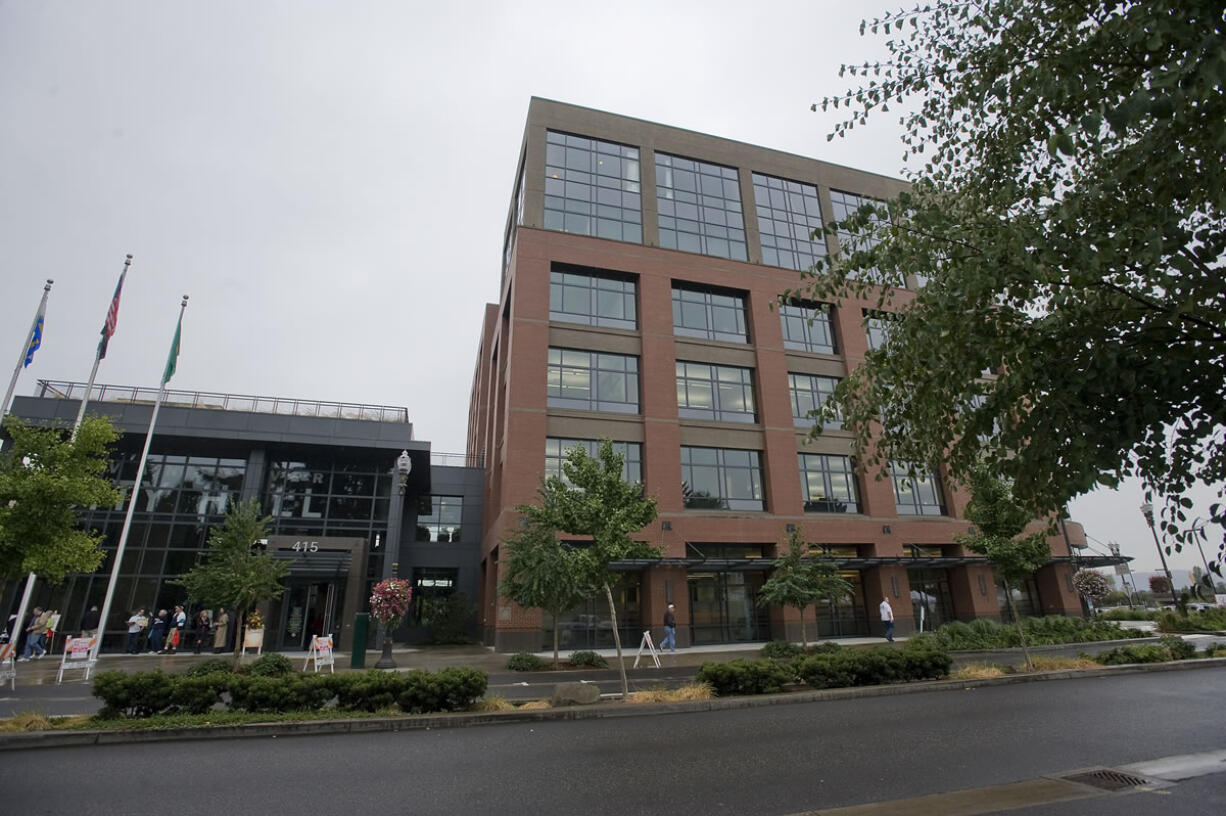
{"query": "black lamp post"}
pixel 1147 510
pixel 404 465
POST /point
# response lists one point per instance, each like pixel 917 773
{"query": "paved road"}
pixel 783 759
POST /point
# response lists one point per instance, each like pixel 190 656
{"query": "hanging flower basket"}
pixel 389 602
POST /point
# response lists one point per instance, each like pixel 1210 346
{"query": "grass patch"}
pixel 1063 663
pixel 682 694
pixel 37 721
pixel 978 671
pixel 534 705
pixel 488 705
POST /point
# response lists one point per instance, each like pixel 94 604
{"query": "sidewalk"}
pixel 431 658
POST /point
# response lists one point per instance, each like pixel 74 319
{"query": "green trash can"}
pixel 361 626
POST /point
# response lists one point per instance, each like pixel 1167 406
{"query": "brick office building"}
pixel 640 267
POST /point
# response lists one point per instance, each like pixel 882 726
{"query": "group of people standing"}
pixel 167 631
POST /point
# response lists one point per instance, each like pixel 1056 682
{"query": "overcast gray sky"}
pixel 329 181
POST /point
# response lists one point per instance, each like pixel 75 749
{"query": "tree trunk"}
pixel 1021 633
pixel 555 638
pixel 617 641
pixel 239 618
pixel 804 639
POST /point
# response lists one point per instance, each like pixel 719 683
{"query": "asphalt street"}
pixel 785 759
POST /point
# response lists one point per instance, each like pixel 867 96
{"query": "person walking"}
pixel 221 626
pixel 670 629
pixel 136 625
pixel 887 618
pixel 203 629
pixel 157 631
pixel 36 635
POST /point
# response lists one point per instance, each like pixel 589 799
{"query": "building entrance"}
pixel 308 608
pixel 931 601
pixel 724 609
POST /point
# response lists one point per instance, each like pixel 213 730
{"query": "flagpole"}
pixel 25 348
pixel 89 386
pixel 140 473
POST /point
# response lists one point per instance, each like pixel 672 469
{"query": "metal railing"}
pixel 224 402
pixel 472 460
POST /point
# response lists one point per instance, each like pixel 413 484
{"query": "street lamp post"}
pixel 1147 510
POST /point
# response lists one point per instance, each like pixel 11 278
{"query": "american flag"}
pixel 112 313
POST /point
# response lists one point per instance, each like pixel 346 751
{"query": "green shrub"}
pixel 781 650
pixel 133 695
pixel 211 665
pixel 1134 653
pixel 197 694
pixel 369 691
pixel 871 667
pixel 1051 629
pixel 586 657
pixel 823 647
pixel 1125 613
pixel 1210 620
pixel 1179 648
pixel 746 677
pixel 525 661
pixel 454 688
pixel 271 665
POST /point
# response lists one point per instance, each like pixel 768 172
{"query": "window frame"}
pixel 598 378
pixel 720 385
pixel 820 464
pixel 724 499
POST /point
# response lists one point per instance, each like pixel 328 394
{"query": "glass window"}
pixel 577 296
pixel 709 314
pixel 809 392
pixel 829 484
pixel 631 453
pixel 592 381
pixel 877 326
pixel 699 207
pixel 722 479
pixel 723 393
pixel 788 216
pixel 807 327
pixel 918 495
pixel 845 204
pixel 439 518
pixel 592 188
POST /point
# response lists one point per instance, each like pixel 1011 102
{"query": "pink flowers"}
pixel 389 601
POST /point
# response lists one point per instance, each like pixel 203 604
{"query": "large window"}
pixel 592 381
pixel 577 296
pixel 918 495
pixel 809 392
pixel 877 326
pixel 303 493
pixel 722 479
pixel 709 314
pixel 700 207
pixel 592 188
pixel 829 484
pixel 807 327
pixel 788 215
pixel 723 393
pixel 191 485
pixel 845 204
pixel 631 453
pixel 439 517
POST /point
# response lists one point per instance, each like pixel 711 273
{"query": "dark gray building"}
pixel 325 473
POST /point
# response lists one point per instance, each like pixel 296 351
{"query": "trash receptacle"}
pixel 361 625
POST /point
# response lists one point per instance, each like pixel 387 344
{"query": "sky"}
pixel 329 181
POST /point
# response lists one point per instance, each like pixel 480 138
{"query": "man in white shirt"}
pixel 887 617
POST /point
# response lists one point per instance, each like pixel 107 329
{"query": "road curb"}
pixel 63 739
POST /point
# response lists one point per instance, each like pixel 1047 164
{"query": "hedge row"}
pixel 1167 648
pixel 827 669
pixel 146 694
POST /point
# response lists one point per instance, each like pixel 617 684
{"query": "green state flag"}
pixel 173 360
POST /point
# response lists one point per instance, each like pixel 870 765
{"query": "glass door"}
pixel 723 607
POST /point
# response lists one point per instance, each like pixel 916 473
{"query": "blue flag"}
pixel 36 337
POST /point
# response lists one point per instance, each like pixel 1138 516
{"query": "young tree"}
pixel 594 500
pixel 235 574
pixel 45 479
pixel 543 572
pixel 1158 585
pixel 801 579
pixel 999 520
pixel 1067 222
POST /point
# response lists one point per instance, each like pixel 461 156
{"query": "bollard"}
pixel 361 625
